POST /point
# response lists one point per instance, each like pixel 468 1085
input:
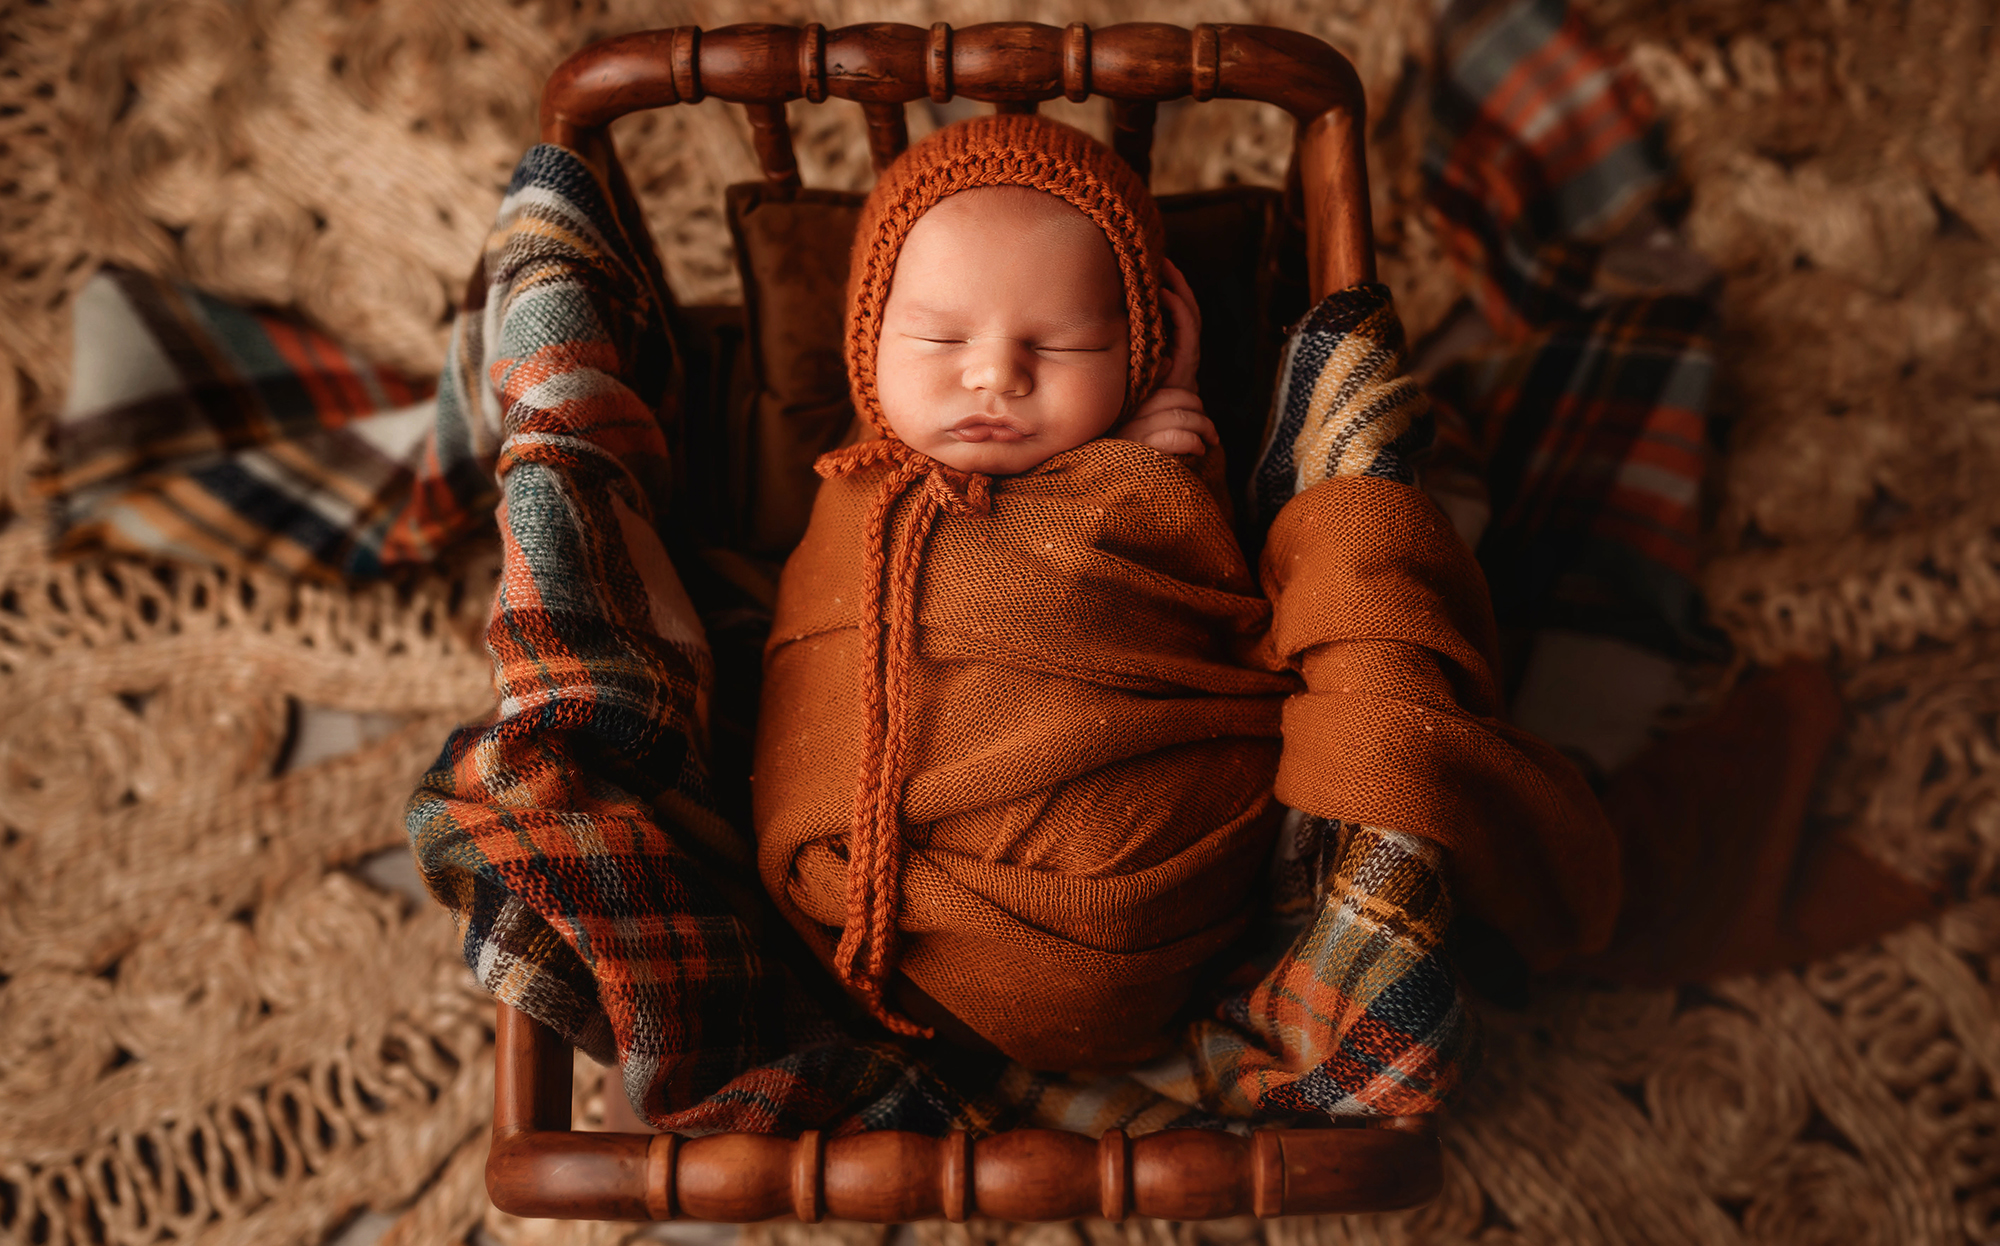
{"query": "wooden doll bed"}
pixel 538 1165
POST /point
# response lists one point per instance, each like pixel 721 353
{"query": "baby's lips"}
pixel 978 428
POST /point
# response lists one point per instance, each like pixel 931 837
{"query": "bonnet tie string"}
pixel 867 950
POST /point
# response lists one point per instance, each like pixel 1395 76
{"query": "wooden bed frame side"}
pixel 538 1166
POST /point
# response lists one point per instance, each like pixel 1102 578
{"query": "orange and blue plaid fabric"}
pixel 1593 437
pixel 1589 419
pixel 1543 143
pixel 219 434
pixel 573 834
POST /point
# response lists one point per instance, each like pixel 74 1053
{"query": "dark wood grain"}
pixel 771 135
pixel 1011 62
pixel 1190 1174
pixel 1114 1175
pixel 765 63
pixel 586 1176
pixel 1076 62
pixel 855 1177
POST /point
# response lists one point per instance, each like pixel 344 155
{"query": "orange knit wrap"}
pixel 1023 886
pixel 1064 735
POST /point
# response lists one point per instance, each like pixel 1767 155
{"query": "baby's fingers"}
pixel 1178 301
pixel 1177 427
pixel 1175 441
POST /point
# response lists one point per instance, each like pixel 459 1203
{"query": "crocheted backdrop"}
pixel 214 1027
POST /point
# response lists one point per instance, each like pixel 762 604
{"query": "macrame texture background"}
pixel 215 1028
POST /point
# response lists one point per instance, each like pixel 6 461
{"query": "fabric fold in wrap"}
pixel 1386 615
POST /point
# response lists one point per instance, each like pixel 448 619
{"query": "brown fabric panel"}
pixel 1386 614
pixel 792 254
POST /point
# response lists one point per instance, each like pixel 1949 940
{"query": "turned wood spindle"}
pixel 685 67
pixel 955 1177
pixel 1013 64
pixel 1267 1174
pixel 772 135
pixel 662 1154
pixel 1132 134
pixel 1207 66
pixel 888 132
pixel 812 63
pixel 1114 1175
pixel 809 1178
pixel 537 1167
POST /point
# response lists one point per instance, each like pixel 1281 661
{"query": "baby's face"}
pixel 1004 338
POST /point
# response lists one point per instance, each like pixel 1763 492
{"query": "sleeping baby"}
pixel 1021 716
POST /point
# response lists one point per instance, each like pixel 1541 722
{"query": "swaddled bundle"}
pixel 1020 734
pixel 1077 748
pixel 1048 683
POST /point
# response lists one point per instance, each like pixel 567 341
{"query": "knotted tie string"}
pixel 867 950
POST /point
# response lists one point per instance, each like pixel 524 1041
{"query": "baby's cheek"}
pixel 902 388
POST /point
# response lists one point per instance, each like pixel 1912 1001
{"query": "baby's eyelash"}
pixel 1055 350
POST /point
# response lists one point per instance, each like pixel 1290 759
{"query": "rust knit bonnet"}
pixel 998 150
pixel 1009 150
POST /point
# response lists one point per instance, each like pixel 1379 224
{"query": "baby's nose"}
pixel 1000 366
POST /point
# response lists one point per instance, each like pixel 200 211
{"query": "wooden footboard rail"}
pixel 540 1167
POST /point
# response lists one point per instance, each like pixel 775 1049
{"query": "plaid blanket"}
pixel 583 807
pixel 1543 144
pixel 213 433
pixel 1592 438
pixel 1586 426
pixel 575 836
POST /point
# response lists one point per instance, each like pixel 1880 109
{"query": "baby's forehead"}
pixel 1011 216
pixel 989 236
pixel 1008 204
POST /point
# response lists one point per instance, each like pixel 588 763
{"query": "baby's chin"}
pixel 991 458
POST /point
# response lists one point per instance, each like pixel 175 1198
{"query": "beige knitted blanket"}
pixel 218 1023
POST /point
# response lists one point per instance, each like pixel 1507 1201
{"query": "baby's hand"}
pixel 1178 301
pixel 1172 419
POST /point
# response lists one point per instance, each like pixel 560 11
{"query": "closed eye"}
pixel 1046 350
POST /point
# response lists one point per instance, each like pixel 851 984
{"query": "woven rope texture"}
pixel 214 1029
